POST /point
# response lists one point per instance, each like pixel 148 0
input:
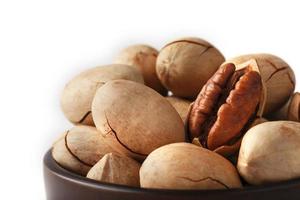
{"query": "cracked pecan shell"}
pixel 78 94
pixel 224 108
pixel 187 166
pixel 184 65
pixel 136 118
pixel 80 148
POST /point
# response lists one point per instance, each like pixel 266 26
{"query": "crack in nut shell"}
pixel 224 107
pixel 126 113
pixel 198 169
pixel 205 179
pixel 112 131
pixel 184 66
pixel 80 148
pixel 73 154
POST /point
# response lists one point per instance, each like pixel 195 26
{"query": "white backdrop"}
pixel 44 43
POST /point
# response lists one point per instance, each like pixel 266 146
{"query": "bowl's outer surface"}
pixel 64 185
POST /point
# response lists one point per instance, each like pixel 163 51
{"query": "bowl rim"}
pixel 62 173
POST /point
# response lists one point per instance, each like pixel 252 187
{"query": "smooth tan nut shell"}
pixel 181 106
pixel 135 118
pixel 144 58
pixel 184 65
pixel 187 166
pixel 277 76
pixel 78 94
pixel 294 108
pixel 80 148
pixel 117 169
pixel 270 153
pixel 290 111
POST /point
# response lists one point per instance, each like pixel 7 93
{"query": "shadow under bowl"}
pixel 62 184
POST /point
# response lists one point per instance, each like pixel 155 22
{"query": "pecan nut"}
pixel 224 108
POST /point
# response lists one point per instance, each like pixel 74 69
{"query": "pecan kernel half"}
pixel 225 107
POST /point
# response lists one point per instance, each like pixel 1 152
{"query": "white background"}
pixel 44 43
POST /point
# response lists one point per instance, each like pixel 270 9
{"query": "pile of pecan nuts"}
pixel 183 118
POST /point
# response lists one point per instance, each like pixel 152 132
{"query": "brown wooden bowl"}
pixel 65 185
